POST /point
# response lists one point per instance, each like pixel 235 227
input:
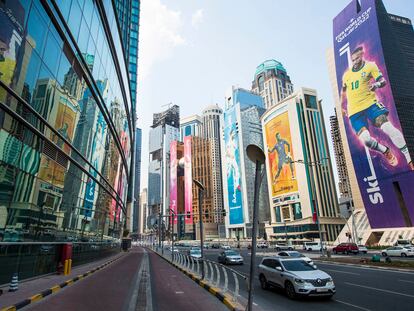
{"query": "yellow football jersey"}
pixel 357 87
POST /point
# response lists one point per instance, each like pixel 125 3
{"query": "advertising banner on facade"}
pixel 188 181
pixel 379 152
pixel 173 178
pixel 232 167
pixel 280 154
pixel 97 155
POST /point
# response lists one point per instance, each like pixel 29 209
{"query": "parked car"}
pixel 312 246
pixel 346 248
pixel 230 257
pixel 262 244
pixel 295 254
pixel 283 247
pixel 398 251
pixel 225 247
pixel 215 245
pixel 296 277
pixel 362 249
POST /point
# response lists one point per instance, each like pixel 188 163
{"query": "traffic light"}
pixel 224 213
pixel 188 215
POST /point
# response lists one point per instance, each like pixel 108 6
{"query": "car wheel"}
pixel 278 249
pixel 335 252
pixel 364 252
pixel 309 249
pixel 290 249
pixel 403 255
pixel 346 252
pixel 384 254
pixel 290 290
pixel 263 282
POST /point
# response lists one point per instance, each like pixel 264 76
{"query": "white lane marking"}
pixel 179 292
pixel 380 290
pixel 406 281
pixel 362 268
pixel 350 304
pixel 255 304
pixel 341 271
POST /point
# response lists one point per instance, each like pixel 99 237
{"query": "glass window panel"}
pixel 91 45
pixel 64 67
pixel 95 24
pixel 100 39
pixel 88 11
pixel 52 53
pixel 74 19
pixel 64 7
pixel 41 11
pixel 32 72
pixel 83 36
pixel 36 29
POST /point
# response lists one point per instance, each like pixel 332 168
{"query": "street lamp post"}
pixel 200 215
pixel 257 156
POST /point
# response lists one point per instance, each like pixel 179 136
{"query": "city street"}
pixel 358 288
pixel 138 281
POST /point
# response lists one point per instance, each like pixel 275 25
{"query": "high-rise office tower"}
pixel 136 215
pixel 164 130
pixel 211 130
pixel 299 172
pixel 272 82
pixel 344 187
pixel 66 119
pixel 375 59
pixel 240 127
pixel 128 12
pixel 143 212
pixel 190 126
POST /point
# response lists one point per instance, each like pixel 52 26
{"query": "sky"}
pixel 192 51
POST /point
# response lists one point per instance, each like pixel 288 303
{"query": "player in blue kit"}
pixel 283 156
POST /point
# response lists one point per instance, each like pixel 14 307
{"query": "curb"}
pixel 55 288
pixel 364 266
pixel 224 298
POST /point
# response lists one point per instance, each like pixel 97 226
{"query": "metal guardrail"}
pixel 217 275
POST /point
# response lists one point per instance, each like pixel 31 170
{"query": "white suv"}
pixel 296 276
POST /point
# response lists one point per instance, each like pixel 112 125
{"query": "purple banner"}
pixel 379 153
pixel 173 178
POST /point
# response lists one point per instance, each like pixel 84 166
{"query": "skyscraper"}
pixel 136 220
pixel 299 172
pixel 240 127
pixel 211 130
pixel 271 82
pixel 190 126
pixel 73 129
pixel 344 187
pixel 164 130
pixel 381 149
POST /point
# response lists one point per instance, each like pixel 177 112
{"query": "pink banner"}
pixel 188 181
pixel 173 178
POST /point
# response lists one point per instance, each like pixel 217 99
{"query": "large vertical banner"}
pixel 280 153
pixel 382 162
pixel 188 181
pixel 96 155
pixel 173 178
pixel 232 166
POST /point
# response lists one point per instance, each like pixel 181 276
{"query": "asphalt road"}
pixel 137 281
pixel 358 288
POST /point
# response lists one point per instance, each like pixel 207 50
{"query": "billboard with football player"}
pixel 279 148
pixel 382 162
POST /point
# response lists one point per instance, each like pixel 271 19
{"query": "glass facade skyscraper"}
pixel 67 118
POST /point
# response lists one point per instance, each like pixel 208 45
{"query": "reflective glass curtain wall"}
pixel 65 121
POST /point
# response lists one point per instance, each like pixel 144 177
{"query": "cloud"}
pixel 160 33
pixel 197 18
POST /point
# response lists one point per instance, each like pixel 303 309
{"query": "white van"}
pixel 312 246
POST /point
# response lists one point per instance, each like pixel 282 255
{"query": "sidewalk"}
pixel 35 286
